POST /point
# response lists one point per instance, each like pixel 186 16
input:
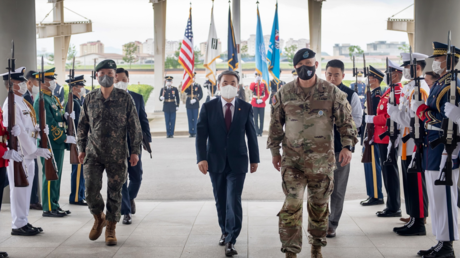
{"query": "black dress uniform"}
pixel 192 109
pixel 171 102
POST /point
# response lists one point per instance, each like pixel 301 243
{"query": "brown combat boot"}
pixel 316 251
pixel 291 255
pixel 110 237
pixel 99 224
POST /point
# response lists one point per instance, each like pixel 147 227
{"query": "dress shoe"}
pixel 67 212
pixel 3 254
pixel 230 250
pixel 330 233
pixel 222 239
pixel 387 214
pixel 414 228
pixel 405 220
pixel 396 229
pixel 37 228
pixel 190 136
pixel 36 206
pixel 127 219
pixel 372 201
pixel 25 231
pixel 316 251
pixel 133 207
pixel 54 214
pixel 441 250
pixel 99 224
pixel 425 252
pixel 81 203
pixel 291 255
pixel 368 198
pixel 110 235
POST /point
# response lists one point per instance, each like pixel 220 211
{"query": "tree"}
pixel 244 51
pixel 289 52
pixel 71 53
pixel 130 51
pixel 352 50
pixel 404 48
pixel 171 62
pixel 197 54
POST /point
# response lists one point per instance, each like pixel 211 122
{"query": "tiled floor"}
pixel 189 229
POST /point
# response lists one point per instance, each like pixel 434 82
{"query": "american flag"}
pixel 187 57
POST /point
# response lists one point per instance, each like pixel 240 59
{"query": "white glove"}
pixel 162 98
pixel 452 112
pixel 177 108
pixel 416 104
pixel 44 153
pixel 72 115
pixel 391 109
pixel 192 101
pixel 389 147
pixel 12 154
pixel 70 140
pixel 370 142
pixel 46 130
pixel 369 119
pixel 259 101
pixel 16 131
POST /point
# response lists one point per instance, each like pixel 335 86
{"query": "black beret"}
pixel 302 54
pixel 106 64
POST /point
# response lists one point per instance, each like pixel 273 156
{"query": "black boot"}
pixel 396 229
pixel 416 227
pixel 442 250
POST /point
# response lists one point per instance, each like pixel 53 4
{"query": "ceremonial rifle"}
pixel 51 171
pixel 417 131
pixel 355 74
pixel 70 121
pixel 367 155
pixel 93 74
pixel 20 176
pixel 392 127
pixel 449 135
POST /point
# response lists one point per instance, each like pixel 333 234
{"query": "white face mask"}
pixel 436 66
pixel 52 86
pixel 34 90
pixel 22 88
pixel 168 84
pixel 82 92
pixel 257 79
pixel 406 73
pixel 122 85
pixel 228 91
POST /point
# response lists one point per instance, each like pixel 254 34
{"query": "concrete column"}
pixel 314 17
pixel 433 20
pixel 159 31
pixel 22 31
pixel 236 13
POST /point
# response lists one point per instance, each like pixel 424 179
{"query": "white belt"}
pixel 433 128
pixel 255 96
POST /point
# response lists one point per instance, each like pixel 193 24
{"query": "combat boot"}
pixel 110 237
pixel 442 250
pixel 99 224
pixel 316 251
pixel 414 228
pixel 291 255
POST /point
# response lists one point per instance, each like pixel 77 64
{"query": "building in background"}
pixel 203 46
pixel 148 47
pixel 88 59
pixel 341 50
pixel 383 48
pixel 96 47
pixel 139 45
pixel 300 43
pixel 171 48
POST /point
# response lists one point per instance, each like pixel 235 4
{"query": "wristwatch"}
pixel 347 147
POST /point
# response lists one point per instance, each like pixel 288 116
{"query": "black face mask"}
pixel 306 72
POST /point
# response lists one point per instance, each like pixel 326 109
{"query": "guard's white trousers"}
pixel 443 206
pixel 20 196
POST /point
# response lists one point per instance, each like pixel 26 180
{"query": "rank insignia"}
pixel 54 107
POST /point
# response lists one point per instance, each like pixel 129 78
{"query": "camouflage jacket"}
pixel 308 135
pixel 104 125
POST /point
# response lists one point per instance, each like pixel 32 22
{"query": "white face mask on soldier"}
pixel 407 73
pixel 82 92
pixel 228 91
pixel 22 88
pixel 52 86
pixel 168 84
pixel 436 66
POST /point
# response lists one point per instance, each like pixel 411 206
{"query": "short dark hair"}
pixel 122 70
pixel 228 72
pixel 434 75
pixel 30 75
pixel 336 64
pixel 422 64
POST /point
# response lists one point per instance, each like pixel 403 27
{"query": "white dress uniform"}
pixel 27 145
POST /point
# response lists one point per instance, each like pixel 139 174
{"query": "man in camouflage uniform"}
pixel 107 116
pixel 308 107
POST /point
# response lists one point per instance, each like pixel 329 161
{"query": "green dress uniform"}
pixel 55 121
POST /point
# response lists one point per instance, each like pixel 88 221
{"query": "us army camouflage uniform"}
pixel 308 155
pixel 102 130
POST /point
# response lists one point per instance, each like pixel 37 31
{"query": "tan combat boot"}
pixel 291 255
pixel 99 224
pixel 110 237
pixel 316 251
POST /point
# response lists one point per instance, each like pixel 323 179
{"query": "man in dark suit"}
pixel 221 149
pixel 129 192
pixel 59 93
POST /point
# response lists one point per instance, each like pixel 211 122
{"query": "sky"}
pixel 344 21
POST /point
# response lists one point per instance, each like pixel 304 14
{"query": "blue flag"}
pixel 261 54
pixel 273 54
pixel 232 50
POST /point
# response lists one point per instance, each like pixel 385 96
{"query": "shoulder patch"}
pixel 274 100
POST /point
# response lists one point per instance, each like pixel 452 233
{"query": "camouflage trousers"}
pixel 319 187
pixel 116 177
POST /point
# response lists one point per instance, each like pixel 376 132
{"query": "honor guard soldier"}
pixel 361 89
pixel 194 95
pixel 170 95
pixel 212 90
pixel 373 170
pixel 294 75
pixel 275 85
pixel 77 183
pixel 390 171
pixel 107 119
pixel 442 198
pixel 26 130
pixel 260 94
pixel 56 124
pixel 414 183
pixel 306 133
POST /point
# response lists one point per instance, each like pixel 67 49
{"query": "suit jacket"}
pixel 140 107
pixel 28 98
pixel 217 146
pixel 59 93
